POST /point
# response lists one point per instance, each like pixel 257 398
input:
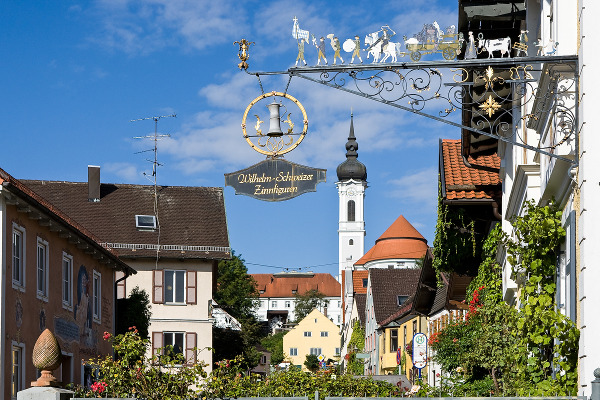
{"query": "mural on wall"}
pixel 82 311
pixel 19 313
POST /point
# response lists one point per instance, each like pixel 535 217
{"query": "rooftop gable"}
pixel 191 220
pixel 387 285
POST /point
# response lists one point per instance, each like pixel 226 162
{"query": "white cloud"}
pixel 126 172
pixel 418 187
pixel 144 27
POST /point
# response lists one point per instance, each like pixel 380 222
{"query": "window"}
pixel 42 269
pixel 288 304
pixel 67 281
pixel 339 319
pixel 18 256
pixel 351 210
pixel 173 342
pixel 97 296
pixel 307 334
pixel 315 351
pixel 393 340
pixel 414 326
pixel 18 369
pixel 337 351
pixel 145 222
pixel 324 334
pixel 365 281
pixel 402 299
pixel 274 303
pixel 339 303
pixel 351 242
pixel 293 351
pixel 174 287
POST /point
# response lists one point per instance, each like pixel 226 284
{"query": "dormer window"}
pixel 145 222
pixel 402 299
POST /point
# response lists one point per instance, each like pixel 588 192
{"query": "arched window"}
pixel 351 242
pixel 351 210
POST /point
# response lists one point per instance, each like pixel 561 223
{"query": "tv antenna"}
pixel 156 137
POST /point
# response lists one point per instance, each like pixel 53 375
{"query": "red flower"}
pixel 99 387
pixel 106 336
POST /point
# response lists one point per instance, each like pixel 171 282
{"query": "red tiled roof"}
pixel 357 281
pixel 400 240
pixel 284 285
pixel 462 182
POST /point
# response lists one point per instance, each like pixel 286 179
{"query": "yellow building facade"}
pixel 315 334
pixel 398 334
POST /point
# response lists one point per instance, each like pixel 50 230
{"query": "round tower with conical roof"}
pixel 352 182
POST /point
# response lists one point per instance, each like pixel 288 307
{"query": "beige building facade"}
pixel 315 334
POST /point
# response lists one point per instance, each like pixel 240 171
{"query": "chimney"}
pixel 93 184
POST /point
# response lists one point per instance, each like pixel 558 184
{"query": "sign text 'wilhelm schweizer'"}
pixel 275 180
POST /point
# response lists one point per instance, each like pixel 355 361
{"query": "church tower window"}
pixel 351 210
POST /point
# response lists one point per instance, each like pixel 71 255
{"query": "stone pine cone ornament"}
pixel 46 357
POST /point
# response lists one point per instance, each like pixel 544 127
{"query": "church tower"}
pixel 352 182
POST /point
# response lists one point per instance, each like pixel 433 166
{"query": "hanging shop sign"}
pixel 275 180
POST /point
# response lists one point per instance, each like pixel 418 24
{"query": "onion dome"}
pixel 352 168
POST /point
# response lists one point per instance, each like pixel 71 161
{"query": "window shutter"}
pixel 158 286
pixel 190 347
pixel 157 343
pixel 191 287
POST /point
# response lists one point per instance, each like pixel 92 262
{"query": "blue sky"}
pixel 74 73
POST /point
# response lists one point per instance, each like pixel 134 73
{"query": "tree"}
pixel 274 343
pixel 236 293
pixel 134 311
pixel 307 301
pixel 236 290
pixel 311 362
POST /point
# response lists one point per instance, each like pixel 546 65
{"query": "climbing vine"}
pixel 356 366
pixel 548 340
pixel 530 349
pixel 456 247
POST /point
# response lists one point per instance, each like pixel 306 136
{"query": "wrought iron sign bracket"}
pixel 486 95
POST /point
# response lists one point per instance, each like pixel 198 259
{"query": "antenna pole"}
pixel 156 137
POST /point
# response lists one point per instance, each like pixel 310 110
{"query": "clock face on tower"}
pixel 351 192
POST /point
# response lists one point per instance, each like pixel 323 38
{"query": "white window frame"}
pixel 19 284
pixel 21 384
pixel 307 334
pixel 42 268
pixel 273 303
pixel 288 304
pixel 293 351
pixel 316 351
pixel 324 334
pixel 97 296
pixel 175 288
pixel 142 222
pixel 67 285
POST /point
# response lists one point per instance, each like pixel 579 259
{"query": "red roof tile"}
pixel 400 240
pixel 462 182
pixel 284 285
pixel 357 281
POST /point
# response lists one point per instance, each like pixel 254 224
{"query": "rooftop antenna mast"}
pixel 156 137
